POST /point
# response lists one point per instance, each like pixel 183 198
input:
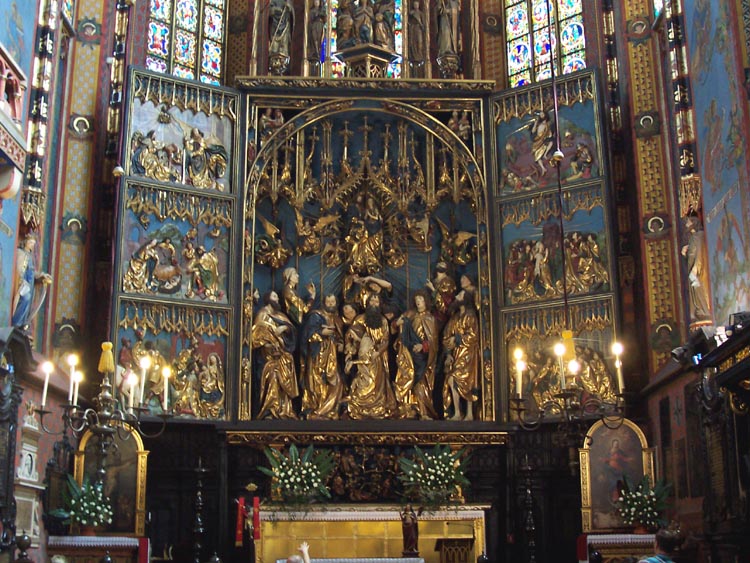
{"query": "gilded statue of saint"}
pixel 140 268
pixel 371 395
pixel 461 341
pixel 416 354
pixel 275 336
pixel 26 284
pixel 152 158
pixel 295 306
pixel 322 340
pixel 211 378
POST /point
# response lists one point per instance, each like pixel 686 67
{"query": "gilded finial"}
pixel 107 359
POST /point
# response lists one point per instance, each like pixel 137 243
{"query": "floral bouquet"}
pixel 434 478
pixel 642 505
pixel 86 504
pixel 299 479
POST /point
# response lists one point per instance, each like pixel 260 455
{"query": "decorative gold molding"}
pixel 365 83
pixel 261 438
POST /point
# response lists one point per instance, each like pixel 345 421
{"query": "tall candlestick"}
pixel 617 350
pixel 47 368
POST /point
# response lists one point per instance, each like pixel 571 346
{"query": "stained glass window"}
pixel 530 46
pixel 186 38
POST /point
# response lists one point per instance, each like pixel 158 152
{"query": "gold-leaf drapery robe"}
pixel 278 379
pixel 371 395
pixel 462 363
pixel 324 385
pixel 415 378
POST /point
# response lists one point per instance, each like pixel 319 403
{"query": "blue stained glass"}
pixel 569 7
pixel 158 39
pixel 182 72
pixel 517 22
pixel 184 48
pixel 186 14
pixel 161 9
pixel 213 23
pixel 209 80
pixel 572 38
pixel 539 14
pixel 542 45
pixel 67 10
pixel 217 3
pixel 211 60
pixel 520 79
pixel 159 65
pixel 573 63
pixel 519 55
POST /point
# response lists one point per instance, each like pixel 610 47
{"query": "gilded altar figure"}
pixel 140 268
pixel 186 384
pixel 204 274
pixel 358 289
pixel 275 336
pixel 591 271
pixel 26 284
pixel 322 340
pixel 371 395
pixel 270 248
pixel 205 162
pixel 443 288
pixel 416 354
pixel 461 341
pixel 211 378
pixel 152 158
pixel 365 239
pixel 295 306
pixel 546 382
pixel 601 377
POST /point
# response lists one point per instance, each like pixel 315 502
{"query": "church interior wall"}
pixel 80 190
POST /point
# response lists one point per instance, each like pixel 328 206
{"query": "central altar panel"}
pixel 364 532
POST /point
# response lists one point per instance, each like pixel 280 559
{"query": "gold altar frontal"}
pixel 370 531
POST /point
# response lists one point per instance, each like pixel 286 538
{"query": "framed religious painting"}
pixel 609 455
pixel 124 480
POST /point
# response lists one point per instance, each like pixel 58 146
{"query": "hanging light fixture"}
pixel 569 405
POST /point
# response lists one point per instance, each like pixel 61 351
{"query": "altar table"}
pixel 364 533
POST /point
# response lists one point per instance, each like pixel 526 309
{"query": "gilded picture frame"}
pixel 607 455
pixel 125 481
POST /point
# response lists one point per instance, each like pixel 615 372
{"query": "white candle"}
pixel 166 373
pixel 145 364
pixel 47 368
pixel 72 362
pixel 131 395
pixel 617 350
pixel 78 378
pixel 520 366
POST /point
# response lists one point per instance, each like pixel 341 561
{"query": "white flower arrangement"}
pixel 434 478
pixel 86 504
pixel 299 479
pixel 642 505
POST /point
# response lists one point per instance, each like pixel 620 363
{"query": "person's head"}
pixel 330 303
pixel 667 540
pixel 441 268
pixel 294 559
pixel 290 275
pixel 374 302
pixel 421 300
pixel 348 312
pixel 29 242
pixel 272 298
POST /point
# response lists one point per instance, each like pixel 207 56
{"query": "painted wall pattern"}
pixel 721 116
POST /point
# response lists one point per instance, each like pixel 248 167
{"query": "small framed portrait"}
pixel 124 481
pixel 608 456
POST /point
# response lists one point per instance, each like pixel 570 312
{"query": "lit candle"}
pixel 132 380
pixel 78 378
pixel 145 365
pixel 617 350
pixel 520 366
pixel 47 368
pixel 560 352
pixel 166 372
pixel 72 362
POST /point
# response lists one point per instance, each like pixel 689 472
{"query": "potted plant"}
pixel 86 506
pixel 299 479
pixel 434 478
pixel 642 505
